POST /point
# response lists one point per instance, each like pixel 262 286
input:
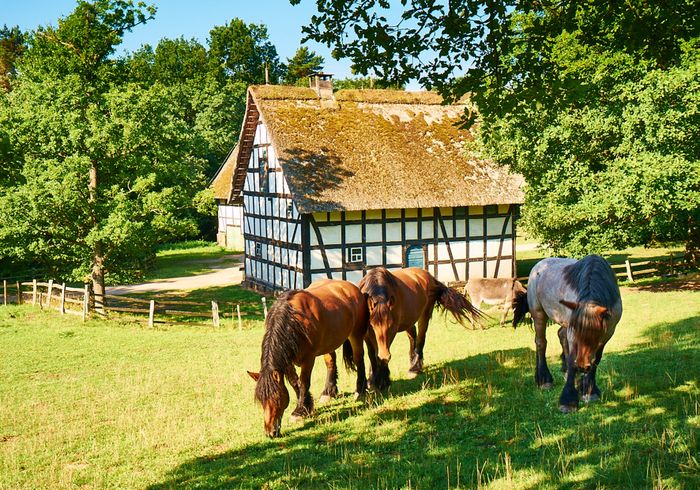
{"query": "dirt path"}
pixel 220 276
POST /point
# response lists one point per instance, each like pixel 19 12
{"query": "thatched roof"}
pixel 223 181
pixel 377 149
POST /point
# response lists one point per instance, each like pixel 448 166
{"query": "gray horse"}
pixel 583 298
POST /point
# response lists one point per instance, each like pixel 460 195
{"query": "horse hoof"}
pixel 546 386
pixel 359 397
pixel 324 399
pixel 412 375
pixel 568 408
pixel 296 419
pixel 590 398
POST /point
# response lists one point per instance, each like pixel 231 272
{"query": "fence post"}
pixel 240 322
pixel 215 313
pixel 63 299
pixel 34 292
pixel 630 278
pixel 151 313
pixel 49 293
pixel 264 302
pixel 86 302
pixel 671 261
pixel 4 292
pixel 19 293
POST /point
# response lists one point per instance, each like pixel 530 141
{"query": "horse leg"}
pixel 305 404
pixel 568 400
pixel 331 388
pixel 292 378
pixel 413 359
pixel 417 366
pixel 358 357
pixel 506 309
pixel 379 378
pixel 588 389
pixel 564 348
pixel 543 377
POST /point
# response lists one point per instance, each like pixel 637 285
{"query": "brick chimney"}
pixel 322 83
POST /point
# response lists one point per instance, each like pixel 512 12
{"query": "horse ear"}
pixel 600 311
pixel 569 304
pixel 255 376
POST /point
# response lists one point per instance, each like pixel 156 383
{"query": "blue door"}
pixel 415 257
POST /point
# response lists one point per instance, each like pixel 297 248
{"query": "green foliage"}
pixel 301 65
pixel 107 170
pixel 240 52
pixel 595 103
pixel 365 83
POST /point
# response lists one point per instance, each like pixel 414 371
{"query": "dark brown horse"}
pixel 397 300
pixel 301 325
pixel 583 298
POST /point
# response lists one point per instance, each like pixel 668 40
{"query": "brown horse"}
pixel 301 325
pixel 396 301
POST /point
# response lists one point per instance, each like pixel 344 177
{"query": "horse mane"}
pixel 594 283
pixel 379 282
pixel 284 334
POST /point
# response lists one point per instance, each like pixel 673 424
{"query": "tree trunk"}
pixel 98 271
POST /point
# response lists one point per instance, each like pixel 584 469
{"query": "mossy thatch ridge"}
pixel 223 181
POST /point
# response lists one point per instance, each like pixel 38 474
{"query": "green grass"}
pixel 188 259
pixel 112 404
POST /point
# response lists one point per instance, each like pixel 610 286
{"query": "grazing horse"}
pixel 396 301
pixel 583 298
pixel 494 291
pixel 301 325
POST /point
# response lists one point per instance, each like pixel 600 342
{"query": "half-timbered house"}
pixel 333 184
pixel 229 215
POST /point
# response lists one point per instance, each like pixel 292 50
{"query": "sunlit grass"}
pixel 113 404
pixel 188 259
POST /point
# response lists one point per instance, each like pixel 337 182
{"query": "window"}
pixel 290 209
pixel 263 169
pixel 355 255
pixel 258 249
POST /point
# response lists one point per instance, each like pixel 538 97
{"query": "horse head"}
pixel 379 288
pixel 272 394
pixel 589 323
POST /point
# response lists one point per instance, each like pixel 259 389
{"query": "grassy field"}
pixel 188 259
pixel 112 404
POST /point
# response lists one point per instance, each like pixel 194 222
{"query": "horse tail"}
pixel 454 302
pixel 520 307
pixel 284 333
pixel 347 356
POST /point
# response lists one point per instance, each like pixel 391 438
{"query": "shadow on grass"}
pixel 479 420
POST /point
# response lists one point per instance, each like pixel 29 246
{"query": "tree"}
pixel 301 65
pixel 12 45
pixel 241 52
pixel 595 103
pixel 365 83
pixel 108 170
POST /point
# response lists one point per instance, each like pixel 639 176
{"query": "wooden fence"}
pixel 76 301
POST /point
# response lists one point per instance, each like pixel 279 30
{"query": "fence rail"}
pixel 51 295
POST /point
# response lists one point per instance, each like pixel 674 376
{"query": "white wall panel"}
pixel 393 232
pixel 316 277
pixel 374 232
pixel 461 229
pixel 411 230
pixel 393 254
pixel 317 260
pixel 459 250
pixel 330 235
pixel 492 247
pixel 427 229
pixel 353 234
pixel 476 269
pixel 476 227
pixel 374 256
pixel 335 257
pixel 353 276
pixel 505 269
pixel 442 251
pixel 476 248
pixel 445 273
pixel 490 268
pixel 337 275
pixel 494 226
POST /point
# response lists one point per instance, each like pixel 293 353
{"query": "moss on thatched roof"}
pixel 223 181
pixel 376 149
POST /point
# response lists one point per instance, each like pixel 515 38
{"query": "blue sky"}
pixel 191 19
